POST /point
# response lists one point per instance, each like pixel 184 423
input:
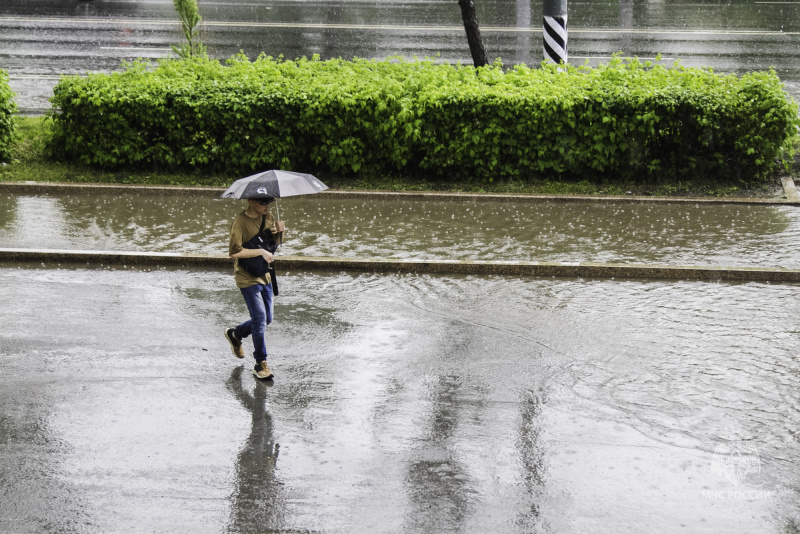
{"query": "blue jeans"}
pixel 259 302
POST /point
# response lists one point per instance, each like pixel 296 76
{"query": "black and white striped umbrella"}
pixel 275 184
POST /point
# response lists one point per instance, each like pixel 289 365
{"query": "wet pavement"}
pixel 401 404
pixel 722 235
pixel 41 39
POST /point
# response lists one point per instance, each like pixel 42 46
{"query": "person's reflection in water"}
pixel 258 501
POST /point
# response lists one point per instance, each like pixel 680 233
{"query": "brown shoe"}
pixel 261 370
pixel 236 343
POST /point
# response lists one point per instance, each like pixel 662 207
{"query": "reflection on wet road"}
pixel 324 225
pixel 43 38
pixel 402 404
pixel 258 497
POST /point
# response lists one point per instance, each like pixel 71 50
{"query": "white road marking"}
pixel 611 57
pixel 150 49
pixel 384 27
pixel 35 76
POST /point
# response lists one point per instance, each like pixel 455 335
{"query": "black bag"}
pixel 258 266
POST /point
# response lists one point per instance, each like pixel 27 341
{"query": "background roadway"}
pixel 42 39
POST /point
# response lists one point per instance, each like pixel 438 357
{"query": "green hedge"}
pixel 627 119
pixel 7 109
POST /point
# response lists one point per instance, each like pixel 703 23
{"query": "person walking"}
pixel 256 290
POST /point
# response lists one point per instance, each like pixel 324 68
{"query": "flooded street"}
pixel 401 404
pixel 42 39
pixel 326 225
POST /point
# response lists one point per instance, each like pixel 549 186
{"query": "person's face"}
pixel 258 207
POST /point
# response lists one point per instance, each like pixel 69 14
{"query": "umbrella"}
pixel 276 184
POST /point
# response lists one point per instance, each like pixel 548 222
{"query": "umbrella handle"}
pixel 278 209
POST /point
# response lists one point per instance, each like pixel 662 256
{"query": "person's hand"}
pixel 267 255
pixel 280 226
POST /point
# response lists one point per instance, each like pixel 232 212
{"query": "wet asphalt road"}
pixel 401 404
pixel 42 39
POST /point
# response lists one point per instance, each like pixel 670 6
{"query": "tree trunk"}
pixel 473 33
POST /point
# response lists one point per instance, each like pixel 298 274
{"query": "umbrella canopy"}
pixel 276 184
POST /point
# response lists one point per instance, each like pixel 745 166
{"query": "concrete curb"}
pixel 215 192
pixel 504 268
pixel 790 189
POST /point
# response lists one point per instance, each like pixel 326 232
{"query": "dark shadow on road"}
pixel 532 460
pixel 439 489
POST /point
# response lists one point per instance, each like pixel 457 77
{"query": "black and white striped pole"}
pixel 555 31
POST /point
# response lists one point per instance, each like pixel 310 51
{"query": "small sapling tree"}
pixel 191 44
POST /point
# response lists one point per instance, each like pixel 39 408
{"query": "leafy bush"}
pixel 626 118
pixel 7 109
